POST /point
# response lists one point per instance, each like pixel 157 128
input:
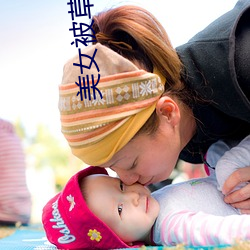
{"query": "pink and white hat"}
pixel 69 223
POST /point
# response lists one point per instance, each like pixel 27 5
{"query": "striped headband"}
pixel 97 125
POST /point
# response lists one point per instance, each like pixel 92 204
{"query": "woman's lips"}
pixel 148 183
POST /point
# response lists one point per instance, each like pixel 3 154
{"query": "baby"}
pixel 96 211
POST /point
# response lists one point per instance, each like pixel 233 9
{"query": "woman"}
pixel 136 124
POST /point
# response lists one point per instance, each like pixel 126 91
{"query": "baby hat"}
pixel 69 223
pixel 97 122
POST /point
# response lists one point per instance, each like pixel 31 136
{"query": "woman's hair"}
pixel 137 35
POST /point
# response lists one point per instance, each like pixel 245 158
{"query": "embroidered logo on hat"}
pixel 61 226
pixel 70 198
pixel 94 235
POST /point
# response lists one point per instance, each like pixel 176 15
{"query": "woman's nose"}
pixel 126 177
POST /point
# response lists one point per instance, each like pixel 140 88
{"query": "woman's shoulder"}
pixel 209 65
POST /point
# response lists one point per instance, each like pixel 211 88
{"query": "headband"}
pixel 97 128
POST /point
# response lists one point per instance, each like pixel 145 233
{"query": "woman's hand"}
pixel 241 197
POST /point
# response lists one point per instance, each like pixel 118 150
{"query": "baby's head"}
pixel 97 211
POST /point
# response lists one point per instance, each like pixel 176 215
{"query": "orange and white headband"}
pixel 98 128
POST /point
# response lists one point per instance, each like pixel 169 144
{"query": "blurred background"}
pixel 35 43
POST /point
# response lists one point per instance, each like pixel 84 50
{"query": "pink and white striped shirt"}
pixel 15 200
pixel 194 212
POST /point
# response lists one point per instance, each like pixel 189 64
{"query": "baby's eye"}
pixel 120 206
pixel 121 186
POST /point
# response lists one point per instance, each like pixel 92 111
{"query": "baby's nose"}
pixel 133 197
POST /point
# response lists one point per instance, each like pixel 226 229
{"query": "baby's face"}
pixel 130 211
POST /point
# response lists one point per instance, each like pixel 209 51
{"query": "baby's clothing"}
pixel 194 212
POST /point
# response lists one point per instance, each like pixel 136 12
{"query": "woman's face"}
pixel 148 159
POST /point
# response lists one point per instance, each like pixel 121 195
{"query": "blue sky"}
pixel 35 44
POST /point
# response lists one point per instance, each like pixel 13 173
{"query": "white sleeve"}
pixel 237 157
pixel 201 229
pixel 214 153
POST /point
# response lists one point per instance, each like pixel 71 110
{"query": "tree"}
pixel 45 150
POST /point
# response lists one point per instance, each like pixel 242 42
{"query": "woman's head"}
pixel 131 40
